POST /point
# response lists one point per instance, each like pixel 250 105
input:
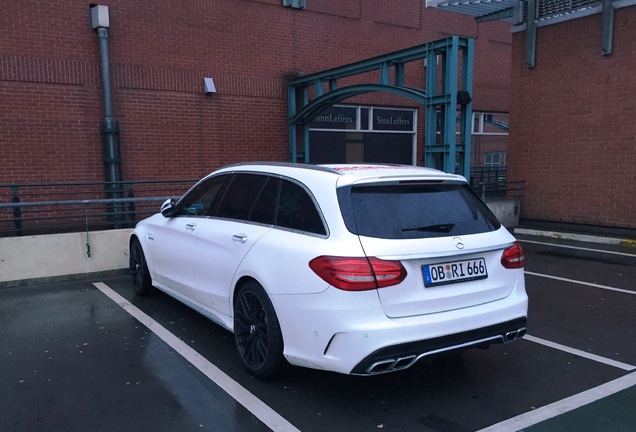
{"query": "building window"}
pixel 489 140
pixel 350 134
pixel 485 123
pixel 496 159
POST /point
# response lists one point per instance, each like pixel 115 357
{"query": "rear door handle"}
pixel 239 237
pixel 191 227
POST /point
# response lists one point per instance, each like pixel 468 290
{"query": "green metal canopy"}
pixel 451 102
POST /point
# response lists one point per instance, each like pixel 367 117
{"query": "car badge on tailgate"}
pixel 459 244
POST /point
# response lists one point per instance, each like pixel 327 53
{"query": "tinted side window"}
pixel 240 197
pixel 264 210
pixel 204 199
pixel 296 210
pixel 417 211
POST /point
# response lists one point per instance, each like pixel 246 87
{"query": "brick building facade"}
pixel 573 128
pixel 160 50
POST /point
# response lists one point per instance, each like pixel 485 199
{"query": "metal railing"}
pixel 47 208
pixel 489 182
pixel 492 183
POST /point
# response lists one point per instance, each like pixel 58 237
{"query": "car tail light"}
pixel 358 273
pixel 513 257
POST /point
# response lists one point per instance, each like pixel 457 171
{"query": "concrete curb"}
pixel 577 237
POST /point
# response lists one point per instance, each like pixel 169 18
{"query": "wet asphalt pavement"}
pixel 72 359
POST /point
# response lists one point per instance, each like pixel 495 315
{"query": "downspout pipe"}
pixel 109 128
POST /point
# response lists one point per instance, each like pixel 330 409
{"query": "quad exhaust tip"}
pixel 514 335
pixel 405 362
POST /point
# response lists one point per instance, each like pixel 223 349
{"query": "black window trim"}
pixel 232 175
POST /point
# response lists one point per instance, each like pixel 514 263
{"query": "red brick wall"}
pixel 573 134
pixel 51 101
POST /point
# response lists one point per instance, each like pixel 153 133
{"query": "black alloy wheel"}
pixel 142 283
pixel 257 332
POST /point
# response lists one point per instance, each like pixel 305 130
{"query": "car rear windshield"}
pixel 408 211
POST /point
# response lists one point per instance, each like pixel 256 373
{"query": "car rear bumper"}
pixel 324 331
pixel 403 356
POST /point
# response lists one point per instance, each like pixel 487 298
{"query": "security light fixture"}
pixel 99 17
pixel 208 86
pixel 463 98
pixel 295 4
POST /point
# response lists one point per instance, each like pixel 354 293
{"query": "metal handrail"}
pixel 71 202
pixel 123 182
pixel 46 216
pixel 75 215
pixel 47 211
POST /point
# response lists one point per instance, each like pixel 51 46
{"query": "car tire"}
pixel 257 332
pixel 142 283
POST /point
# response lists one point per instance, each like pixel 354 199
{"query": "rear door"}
pixel 446 238
pixel 244 215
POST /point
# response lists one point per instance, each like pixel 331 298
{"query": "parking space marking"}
pixel 564 405
pixel 594 285
pixel 579 248
pixel 580 353
pixel 257 407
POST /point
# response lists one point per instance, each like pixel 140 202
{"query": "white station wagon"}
pixel 357 269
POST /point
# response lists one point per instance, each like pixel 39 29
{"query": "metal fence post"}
pixel 17 211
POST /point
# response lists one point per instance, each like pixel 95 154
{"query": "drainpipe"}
pixel 109 128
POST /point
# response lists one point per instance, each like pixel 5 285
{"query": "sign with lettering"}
pixel 393 120
pixel 337 117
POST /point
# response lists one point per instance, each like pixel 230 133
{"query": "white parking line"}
pixel 564 405
pixel 579 248
pixel 573 402
pixel 594 285
pixel 263 412
pixel 580 353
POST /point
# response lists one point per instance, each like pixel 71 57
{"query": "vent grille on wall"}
pixel 550 8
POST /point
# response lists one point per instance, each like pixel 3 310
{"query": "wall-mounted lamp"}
pixel 463 98
pixel 208 86
pixel 99 17
pixel 295 4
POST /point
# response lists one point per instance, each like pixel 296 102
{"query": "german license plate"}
pixel 456 271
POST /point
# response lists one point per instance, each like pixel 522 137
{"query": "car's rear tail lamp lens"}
pixel 358 273
pixel 513 257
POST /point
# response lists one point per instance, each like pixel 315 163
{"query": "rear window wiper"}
pixel 443 228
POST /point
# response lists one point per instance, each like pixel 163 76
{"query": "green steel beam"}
pixel 305 143
pixel 467 109
pixel 399 75
pixel 450 124
pixel 385 73
pixel 406 55
pixel 291 112
pixel 315 107
pixel 430 130
pixel 320 89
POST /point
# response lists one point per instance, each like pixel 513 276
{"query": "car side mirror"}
pixel 168 208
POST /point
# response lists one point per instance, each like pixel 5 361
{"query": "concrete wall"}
pixel 36 257
pixel 506 210
pixel 32 258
